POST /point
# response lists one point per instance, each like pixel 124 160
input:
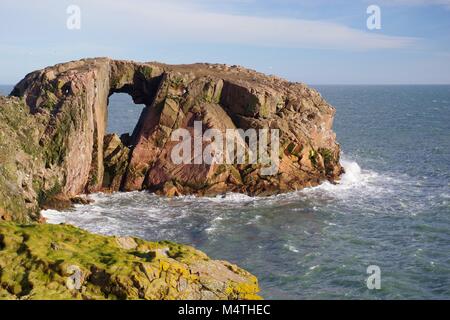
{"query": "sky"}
pixel 312 41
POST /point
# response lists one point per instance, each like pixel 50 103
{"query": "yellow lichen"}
pixel 44 261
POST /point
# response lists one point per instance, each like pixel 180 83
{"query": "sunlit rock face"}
pixel 62 116
pixel 63 262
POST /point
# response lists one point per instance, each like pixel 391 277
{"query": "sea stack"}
pixel 55 145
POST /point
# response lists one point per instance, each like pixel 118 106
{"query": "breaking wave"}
pixel 356 180
pixel 118 211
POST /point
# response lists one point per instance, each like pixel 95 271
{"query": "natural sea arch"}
pixel 123 114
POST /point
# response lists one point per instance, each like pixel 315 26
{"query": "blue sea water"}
pixel 391 209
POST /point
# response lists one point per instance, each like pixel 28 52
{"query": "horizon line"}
pixel 337 84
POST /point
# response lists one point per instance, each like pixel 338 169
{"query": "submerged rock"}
pixel 54 145
pixel 63 262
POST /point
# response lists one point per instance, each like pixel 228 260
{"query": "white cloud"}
pixel 445 3
pixel 192 22
pixel 188 22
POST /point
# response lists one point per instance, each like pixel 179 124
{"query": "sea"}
pixel 383 232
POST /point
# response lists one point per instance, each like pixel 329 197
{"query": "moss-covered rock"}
pixel 20 159
pixel 63 262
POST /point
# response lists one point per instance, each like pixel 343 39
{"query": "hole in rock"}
pixel 123 114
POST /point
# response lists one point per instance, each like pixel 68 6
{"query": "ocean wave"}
pixel 355 182
pixel 228 197
pixel 129 209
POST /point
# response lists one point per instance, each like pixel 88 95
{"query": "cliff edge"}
pixel 44 261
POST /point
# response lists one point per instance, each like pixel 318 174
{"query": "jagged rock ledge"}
pixel 44 261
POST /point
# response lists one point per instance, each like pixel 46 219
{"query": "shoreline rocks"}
pixel 63 262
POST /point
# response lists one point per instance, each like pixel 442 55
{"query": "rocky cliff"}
pixel 55 146
pixel 62 262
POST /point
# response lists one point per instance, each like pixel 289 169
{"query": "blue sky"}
pixel 315 41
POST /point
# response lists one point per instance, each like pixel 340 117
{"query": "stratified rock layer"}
pixel 63 262
pixel 54 131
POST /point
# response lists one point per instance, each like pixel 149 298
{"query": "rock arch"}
pixel 68 103
pixel 71 99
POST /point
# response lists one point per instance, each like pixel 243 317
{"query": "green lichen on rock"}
pixel 293 149
pixel 329 160
pixel 313 155
pixel 121 75
pixel 25 186
pixel 327 155
pixel 213 91
pixel 64 262
pixel 19 157
pixel 50 101
pixel 55 145
pixel 146 71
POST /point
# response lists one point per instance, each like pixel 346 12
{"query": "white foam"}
pixel 214 224
pixel 139 208
pixel 53 216
pixel 254 220
pixel 291 248
pixel 355 181
pixel 352 173
pixel 228 197
pixel 210 230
